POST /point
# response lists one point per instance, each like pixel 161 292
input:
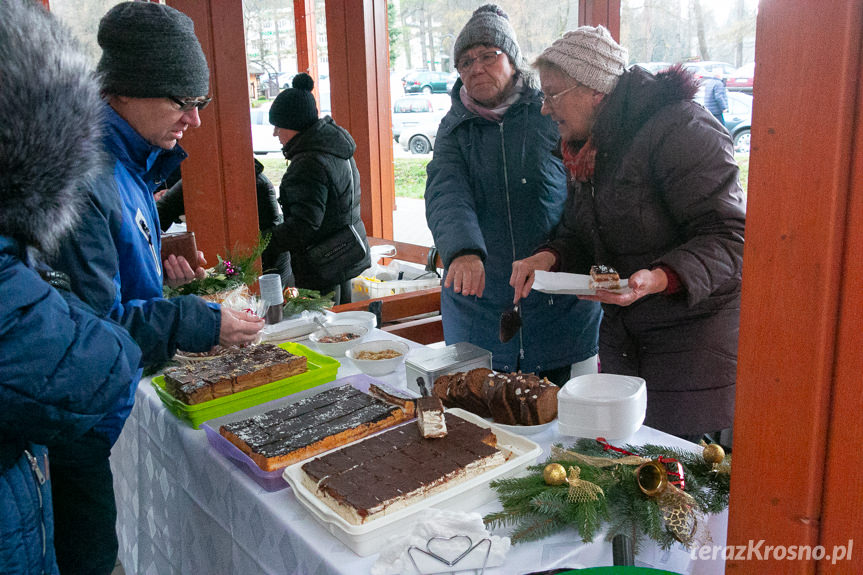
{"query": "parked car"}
pixel 738 118
pixel 428 82
pixel 741 78
pixel 263 140
pixel 652 67
pixel 415 122
pixel 709 68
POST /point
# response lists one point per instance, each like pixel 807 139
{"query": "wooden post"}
pixel 307 47
pixel 596 12
pixel 358 47
pixel 796 478
pixel 219 174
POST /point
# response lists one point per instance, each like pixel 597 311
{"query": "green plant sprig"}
pixel 237 268
pixel 534 509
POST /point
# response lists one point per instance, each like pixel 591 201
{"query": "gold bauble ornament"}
pixel 713 453
pixel 554 474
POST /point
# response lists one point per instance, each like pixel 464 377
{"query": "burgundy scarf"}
pixel 580 162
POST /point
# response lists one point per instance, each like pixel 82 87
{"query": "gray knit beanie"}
pixel 295 108
pixel 150 51
pixel 590 56
pixel 489 25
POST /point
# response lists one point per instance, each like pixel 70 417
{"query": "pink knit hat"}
pixel 590 56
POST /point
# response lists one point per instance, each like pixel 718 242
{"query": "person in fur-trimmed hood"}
pixel 154 82
pixel 654 193
pixel 61 367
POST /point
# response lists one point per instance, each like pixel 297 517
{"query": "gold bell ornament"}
pixel 662 479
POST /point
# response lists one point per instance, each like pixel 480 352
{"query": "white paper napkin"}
pixel 438 530
pixel 570 284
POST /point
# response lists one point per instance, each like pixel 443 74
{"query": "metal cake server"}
pixel 510 323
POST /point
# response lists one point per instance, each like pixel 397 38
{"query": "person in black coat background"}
pixel 319 193
pixel 171 207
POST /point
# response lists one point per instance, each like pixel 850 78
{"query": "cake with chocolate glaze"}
pixel 604 277
pixel 235 370
pixel 300 430
pixel 394 469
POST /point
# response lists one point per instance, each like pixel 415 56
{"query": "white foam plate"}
pixel 293 327
pixel 367 538
pixel 569 284
pixel 526 429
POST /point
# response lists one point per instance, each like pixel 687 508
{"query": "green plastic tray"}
pixel 321 369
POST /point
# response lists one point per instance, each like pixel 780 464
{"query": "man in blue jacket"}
pixel 715 96
pixel 62 368
pixel 155 79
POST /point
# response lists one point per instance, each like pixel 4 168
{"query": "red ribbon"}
pixel 680 481
pixel 608 447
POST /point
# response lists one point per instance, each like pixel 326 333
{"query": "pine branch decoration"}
pixel 535 509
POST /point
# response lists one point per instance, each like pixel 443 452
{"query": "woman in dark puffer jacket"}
pixel 655 194
pixel 319 193
pixel 61 367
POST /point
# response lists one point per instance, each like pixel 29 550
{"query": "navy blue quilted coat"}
pixel 494 189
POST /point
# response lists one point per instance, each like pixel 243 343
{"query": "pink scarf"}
pixel 493 114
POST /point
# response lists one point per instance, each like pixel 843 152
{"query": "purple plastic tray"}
pixel 273 480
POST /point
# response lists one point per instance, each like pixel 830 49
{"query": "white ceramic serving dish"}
pixel 375 367
pixel 338 349
pixel 602 405
pixel 365 318
pixel 367 538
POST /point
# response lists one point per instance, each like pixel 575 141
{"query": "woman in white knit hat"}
pixel 654 193
pixel 494 194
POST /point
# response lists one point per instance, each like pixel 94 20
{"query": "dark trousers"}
pixel 85 513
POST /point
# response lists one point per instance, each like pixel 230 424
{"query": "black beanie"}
pixel 150 51
pixel 295 108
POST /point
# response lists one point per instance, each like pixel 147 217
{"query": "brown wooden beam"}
pixel 796 479
pixel 604 12
pixel 307 41
pixel 425 331
pixel 219 174
pixel 358 48
pixel 399 306
pixel 407 252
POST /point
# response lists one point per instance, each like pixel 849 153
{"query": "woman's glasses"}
pixel 553 99
pixel 187 105
pixel 486 59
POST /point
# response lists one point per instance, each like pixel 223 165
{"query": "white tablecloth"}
pixel 183 508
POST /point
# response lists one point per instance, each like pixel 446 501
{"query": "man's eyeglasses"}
pixel 486 59
pixel 553 99
pixel 190 104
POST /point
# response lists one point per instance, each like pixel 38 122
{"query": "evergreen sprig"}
pixel 237 268
pixel 535 509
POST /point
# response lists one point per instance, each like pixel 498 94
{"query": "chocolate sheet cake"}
pixel 311 426
pixel 236 370
pixel 394 469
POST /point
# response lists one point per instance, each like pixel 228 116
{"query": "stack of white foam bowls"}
pixel 365 318
pixel 602 405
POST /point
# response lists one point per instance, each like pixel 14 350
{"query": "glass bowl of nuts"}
pixel 378 357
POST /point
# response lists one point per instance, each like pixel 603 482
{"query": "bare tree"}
pixel 703 51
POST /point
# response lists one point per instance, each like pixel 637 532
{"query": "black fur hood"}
pixel 637 96
pixel 50 113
